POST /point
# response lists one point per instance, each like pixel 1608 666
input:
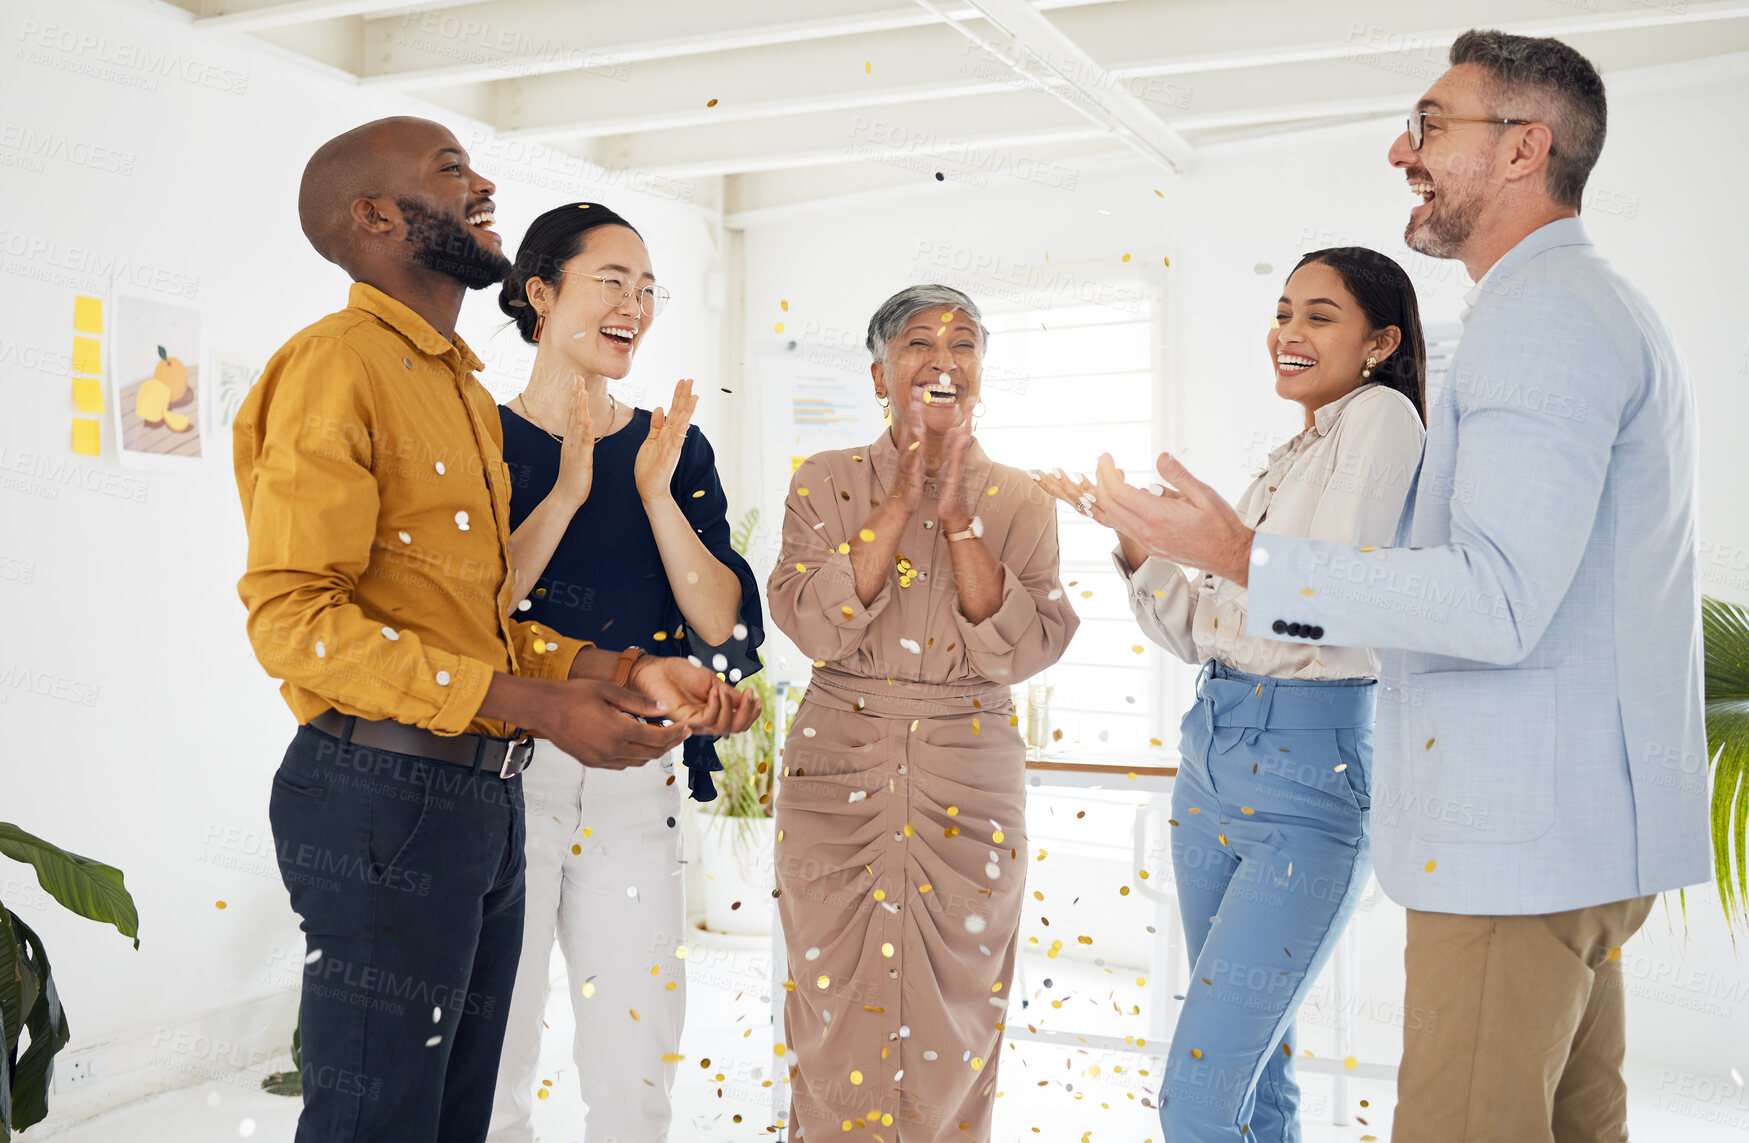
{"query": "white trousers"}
pixel 604 876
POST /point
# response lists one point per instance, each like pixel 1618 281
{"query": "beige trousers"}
pixel 1516 1027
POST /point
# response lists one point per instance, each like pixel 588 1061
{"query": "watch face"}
pixel 977 528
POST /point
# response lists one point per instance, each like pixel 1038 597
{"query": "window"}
pixel 1063 384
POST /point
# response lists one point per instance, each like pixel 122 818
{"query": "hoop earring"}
pixel 1370 362
pixel 884 402
pixel 977 411
pixel 539 321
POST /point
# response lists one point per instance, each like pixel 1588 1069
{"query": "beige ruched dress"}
pixel 901 851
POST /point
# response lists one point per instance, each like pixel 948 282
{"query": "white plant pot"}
pixel 738 878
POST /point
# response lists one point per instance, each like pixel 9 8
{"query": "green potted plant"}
pixel 1725 627
pixel 28 997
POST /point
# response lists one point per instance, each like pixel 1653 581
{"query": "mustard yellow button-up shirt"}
pixel 370 465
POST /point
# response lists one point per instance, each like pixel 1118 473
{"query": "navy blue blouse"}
pixel 605 581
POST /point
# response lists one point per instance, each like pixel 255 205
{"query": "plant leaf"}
pixel 48 1035
pixel 1725 627
pixel 89 888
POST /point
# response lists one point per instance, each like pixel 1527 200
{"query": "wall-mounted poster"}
pixel 155 371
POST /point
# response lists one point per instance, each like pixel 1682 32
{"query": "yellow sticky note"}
pixel 85 437
pixel 88 314
pixel 88 394
pixel 86 356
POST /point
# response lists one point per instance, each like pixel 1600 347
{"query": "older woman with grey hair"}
pixel 921 578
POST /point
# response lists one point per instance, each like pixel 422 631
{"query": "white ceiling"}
pixel 791 100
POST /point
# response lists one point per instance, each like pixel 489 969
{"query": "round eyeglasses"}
pixel 652 300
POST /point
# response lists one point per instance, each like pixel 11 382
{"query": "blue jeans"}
pixel 1270 855
pixel 408 876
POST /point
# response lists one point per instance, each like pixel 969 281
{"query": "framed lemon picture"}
pixel 160 409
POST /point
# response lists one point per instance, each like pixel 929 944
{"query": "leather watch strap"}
pixel 622 671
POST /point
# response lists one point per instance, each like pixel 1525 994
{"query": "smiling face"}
pixel 596 337
pixel 447 211
pixel 1321 338
pixel 936 352
pixel 1456 173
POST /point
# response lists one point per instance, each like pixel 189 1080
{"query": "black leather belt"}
pixel 510 756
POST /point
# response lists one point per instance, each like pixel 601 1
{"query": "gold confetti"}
pixel 1136 647
pixel 924 888
pixel 1123 890
pixel 823 981
pixel 991 490
pixel 777 327
pixel 778 1049
pixel 847 610
pixel 856 1077
pixel 1615 953
pixel 867 535
pixel 588 989
pixel 218 904
pixel 868 68
pixel 1196 1053
pixel 1350 1063
pixel 908 830
pixel 996 837
pixel 1307 591
pixel 634 1013
pixel 844 548
pixel 541 1094
pixel 588 830
pixel 1126 257
pixel 711 103
pixel 1430 866
pixel 887 948
pixel 880 894
pixel 1430 744
pixel 1246 810
pixel 576 849
pixel 672 1057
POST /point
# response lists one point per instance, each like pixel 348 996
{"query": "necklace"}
pixel 613 412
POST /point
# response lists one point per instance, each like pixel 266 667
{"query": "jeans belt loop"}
pixel 346 735
pixel 1268 702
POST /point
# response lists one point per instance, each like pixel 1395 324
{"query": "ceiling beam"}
pixel 1044 53
pixel 256 15
pixel 480 42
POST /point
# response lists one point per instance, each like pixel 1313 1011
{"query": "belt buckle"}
pixel 517 752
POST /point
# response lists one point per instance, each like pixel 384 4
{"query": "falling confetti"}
pixel 711 103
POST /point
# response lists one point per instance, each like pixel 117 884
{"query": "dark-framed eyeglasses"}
pixel 652 300
pixel 1418 124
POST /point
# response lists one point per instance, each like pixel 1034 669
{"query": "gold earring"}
pixel 1370 362
pixel 539 321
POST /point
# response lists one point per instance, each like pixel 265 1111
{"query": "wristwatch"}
pixel 622 671
pixel 972 530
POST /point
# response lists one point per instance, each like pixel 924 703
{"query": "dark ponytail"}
pixel 553 239
pixel 1387 297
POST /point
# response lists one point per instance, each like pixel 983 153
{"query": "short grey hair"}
pixel 895 313
pixel 1538 77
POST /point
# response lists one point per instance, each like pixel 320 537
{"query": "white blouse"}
pixel 1344 479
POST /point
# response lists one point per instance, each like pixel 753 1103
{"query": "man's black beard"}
pixel 449 247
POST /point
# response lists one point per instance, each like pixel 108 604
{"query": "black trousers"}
pixel 408 876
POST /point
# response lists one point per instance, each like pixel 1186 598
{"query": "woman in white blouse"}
pixel 1269 810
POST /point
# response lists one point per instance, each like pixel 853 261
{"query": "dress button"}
pixel 407 362
pixel 901 769
pixel 1315 633
pixel 898 837
pixel 1279 627
pixel 927 524
pixel 1295 630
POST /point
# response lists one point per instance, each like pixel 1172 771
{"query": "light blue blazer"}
pixel 1540 742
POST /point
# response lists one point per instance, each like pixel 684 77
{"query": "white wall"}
pixel 133 597
pixel 1233 228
